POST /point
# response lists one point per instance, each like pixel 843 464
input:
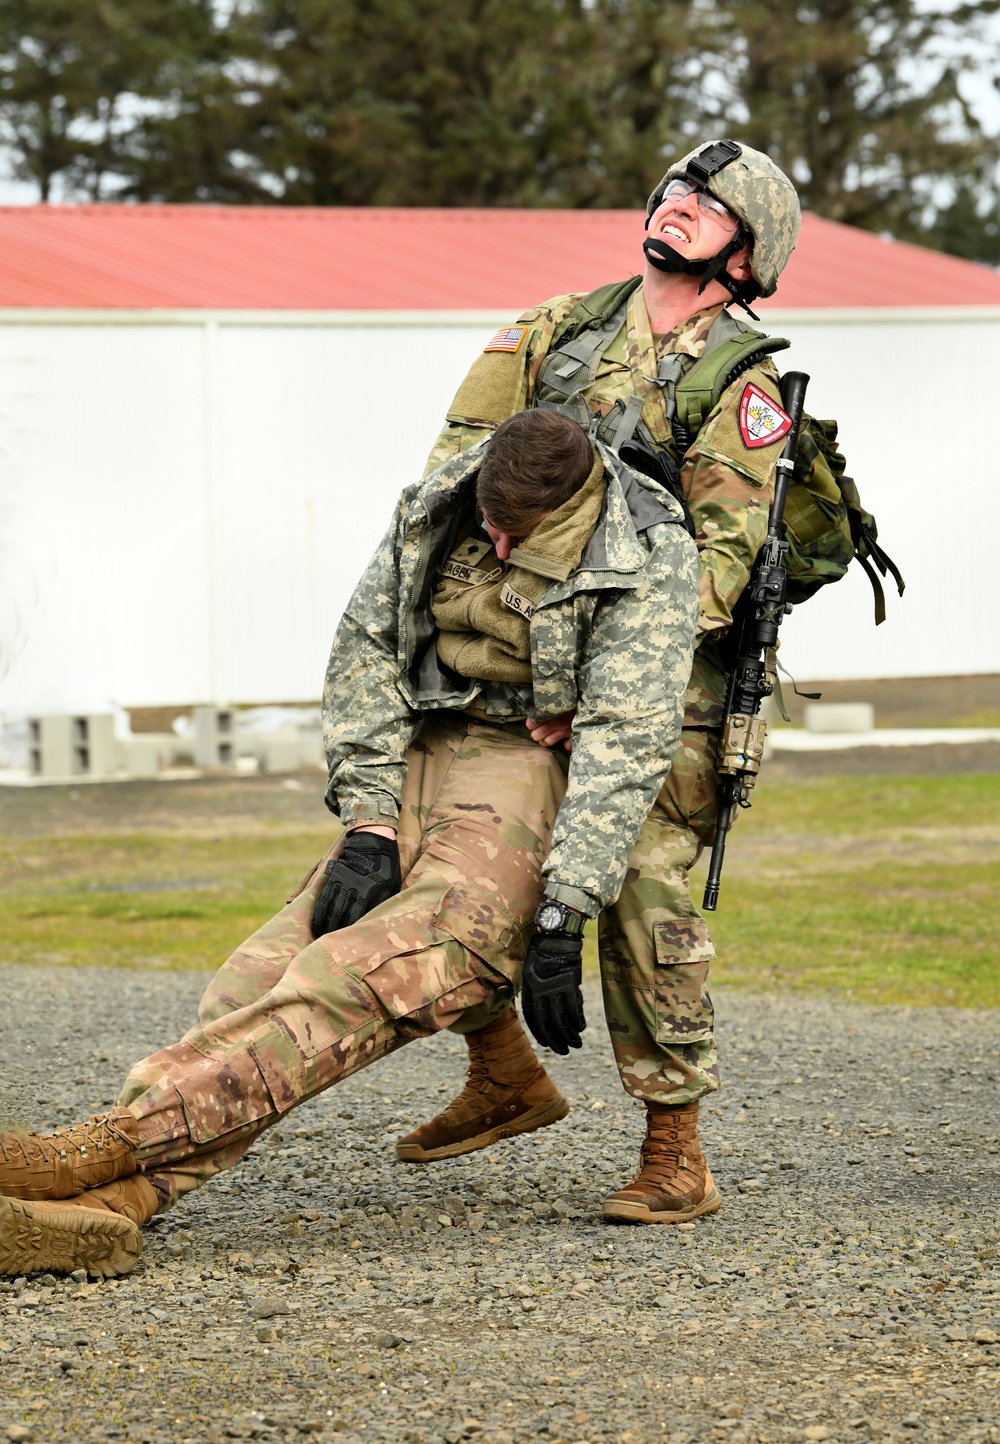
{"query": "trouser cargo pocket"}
pixel 485 927
pixel 466 956
pixel 684 1012
pixel 221 1095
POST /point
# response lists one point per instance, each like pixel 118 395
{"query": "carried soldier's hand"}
pixel 551 996
pixel 553 731
pixel 365 874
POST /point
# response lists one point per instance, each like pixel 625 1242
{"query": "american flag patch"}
pixel 508 339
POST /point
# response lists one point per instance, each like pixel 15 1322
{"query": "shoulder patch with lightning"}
pixel 508 338
pixel 762 421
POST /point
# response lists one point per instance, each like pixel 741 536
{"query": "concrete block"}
pixel 66 745
pixel 145 754
pixel 286 748
pixel 312 753
pixel 215 738
pixel 279 754
pixel 839 716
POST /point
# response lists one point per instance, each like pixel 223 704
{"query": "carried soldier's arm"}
pixel 631 685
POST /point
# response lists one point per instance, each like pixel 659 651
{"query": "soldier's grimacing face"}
pixel 689 228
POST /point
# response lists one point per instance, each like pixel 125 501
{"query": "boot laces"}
pixel 668 1151
pixel 30 1148
pixel 659 1163
pixel 477 1083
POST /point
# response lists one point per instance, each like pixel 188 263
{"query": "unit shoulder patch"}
pixel 508 338
pixel 762 421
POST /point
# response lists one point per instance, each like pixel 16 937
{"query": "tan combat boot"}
pixel 63 1164
pixel 673 1183
pixel 507 1092
pixel 97 1231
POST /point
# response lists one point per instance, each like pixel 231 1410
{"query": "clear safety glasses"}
pixel 707 203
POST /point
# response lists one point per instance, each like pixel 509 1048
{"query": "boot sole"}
pixel 621 1212
pixel 35 1240
pixel 538 1117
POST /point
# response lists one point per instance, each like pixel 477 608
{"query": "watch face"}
pixel 550 917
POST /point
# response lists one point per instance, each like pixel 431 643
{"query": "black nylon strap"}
pixel 665 258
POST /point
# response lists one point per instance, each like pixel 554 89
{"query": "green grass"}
pixel 898 936
pixel 77 917
pixel 876 889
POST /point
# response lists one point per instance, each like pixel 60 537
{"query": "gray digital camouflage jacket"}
pixel 614 641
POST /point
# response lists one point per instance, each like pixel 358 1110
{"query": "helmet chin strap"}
pixel 665 258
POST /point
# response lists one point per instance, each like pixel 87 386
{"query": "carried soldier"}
pixel 533 574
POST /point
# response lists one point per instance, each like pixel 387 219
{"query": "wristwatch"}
pixel 556 917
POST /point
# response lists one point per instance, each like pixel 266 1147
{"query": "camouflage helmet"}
pixel 756 190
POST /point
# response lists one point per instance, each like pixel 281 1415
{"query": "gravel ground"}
pixel 848 1290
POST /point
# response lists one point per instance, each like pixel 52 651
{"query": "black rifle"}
pixel 741 749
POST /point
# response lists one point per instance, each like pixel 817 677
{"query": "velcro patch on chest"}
pixel 463 572
pixel 508 338
pixel 762 421
pixel 516 602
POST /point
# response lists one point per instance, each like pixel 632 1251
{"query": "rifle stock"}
pixel 741 748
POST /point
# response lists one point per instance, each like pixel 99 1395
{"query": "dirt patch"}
pixel 912 701
pixel 935 760
pixel 237 805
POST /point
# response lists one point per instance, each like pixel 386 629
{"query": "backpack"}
pixel 826 524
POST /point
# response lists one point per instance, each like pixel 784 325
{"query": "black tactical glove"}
pixel 364 875
pixel 551 999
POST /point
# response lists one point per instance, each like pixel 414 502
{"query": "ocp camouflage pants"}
pixel 289 1015
pixel 654 946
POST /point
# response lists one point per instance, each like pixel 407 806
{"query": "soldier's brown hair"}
pixel 535 461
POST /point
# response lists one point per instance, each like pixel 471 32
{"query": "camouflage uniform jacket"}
pixel 727 486
pixel 614 641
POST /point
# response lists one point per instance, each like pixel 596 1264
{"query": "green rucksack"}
pixel 826 525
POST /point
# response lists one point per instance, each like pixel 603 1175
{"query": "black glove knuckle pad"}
pixel 363 876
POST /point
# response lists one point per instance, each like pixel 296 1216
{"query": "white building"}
pixel 206 414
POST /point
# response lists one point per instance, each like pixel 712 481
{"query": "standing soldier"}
pixel 722 224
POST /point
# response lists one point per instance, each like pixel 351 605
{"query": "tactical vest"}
pixel 826 525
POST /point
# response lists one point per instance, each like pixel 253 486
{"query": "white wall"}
pixel 196 501
pixel 194 497
pixel 916 400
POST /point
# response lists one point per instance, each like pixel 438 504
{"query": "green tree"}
pixel 504 102
pixel 970 225
pixel 77 77
pixel 651 95
pixel 468 102
pixel 419 102
pixel 860 101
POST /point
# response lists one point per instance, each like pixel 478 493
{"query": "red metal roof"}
pixel 277 258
